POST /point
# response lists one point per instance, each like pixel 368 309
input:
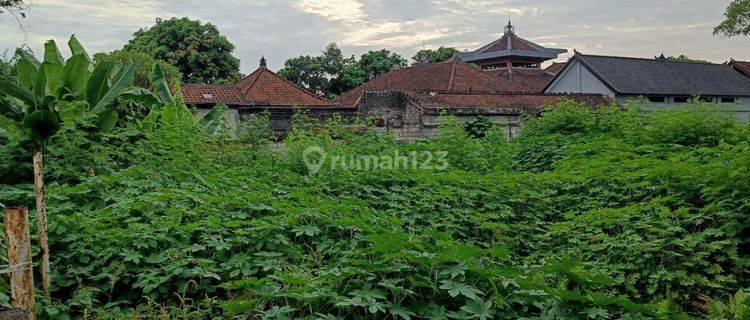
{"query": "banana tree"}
pixel 46 93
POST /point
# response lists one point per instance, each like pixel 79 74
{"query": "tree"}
pixel 434 56
pixel 736 19
pixel 308 72
pixel 198 50
pixel 13 6
pixel 331 74
pixel 684 58
pixel 375 63
pixel 43 94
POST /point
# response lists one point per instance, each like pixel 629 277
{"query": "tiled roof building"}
pixel 453 75
pixel 261 88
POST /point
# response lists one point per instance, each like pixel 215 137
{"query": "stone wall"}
pixel 394 113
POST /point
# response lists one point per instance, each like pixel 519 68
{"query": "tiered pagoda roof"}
pixel 510 47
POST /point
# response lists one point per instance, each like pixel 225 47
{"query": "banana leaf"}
pixel 52 54
pixel 75 73
pixel 121 82
pixel 214 119
pixel 26 71
pixel 161 87
pixel 98 83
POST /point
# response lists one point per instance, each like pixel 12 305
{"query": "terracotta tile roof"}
pixel 529 80
pixel 515 43
pixel 450 76
pixel 489 101
pixel 741 66
pixel 261 88
pixel 555 67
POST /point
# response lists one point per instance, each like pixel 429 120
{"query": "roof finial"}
pixel 661 57
pixel 262 61
pixel 509 28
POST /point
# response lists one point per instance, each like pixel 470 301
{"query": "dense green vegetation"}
pixel 601 214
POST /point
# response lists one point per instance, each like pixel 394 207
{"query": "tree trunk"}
pixel 41 208
pixel 19 258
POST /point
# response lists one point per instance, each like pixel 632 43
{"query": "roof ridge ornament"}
pixel 262 61
pixel 510 28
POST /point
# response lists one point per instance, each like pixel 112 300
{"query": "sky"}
pixel 284 29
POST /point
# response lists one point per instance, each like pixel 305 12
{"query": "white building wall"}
pixel 577 79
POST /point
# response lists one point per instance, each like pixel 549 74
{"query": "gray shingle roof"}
pixel 653 76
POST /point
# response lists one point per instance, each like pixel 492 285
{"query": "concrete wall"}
pixel 577 79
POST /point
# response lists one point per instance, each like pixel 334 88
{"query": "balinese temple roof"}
pixel 511 45
pixel 260 88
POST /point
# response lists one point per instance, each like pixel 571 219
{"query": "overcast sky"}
pixel 284 29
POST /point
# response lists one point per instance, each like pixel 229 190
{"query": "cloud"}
pixel 284 29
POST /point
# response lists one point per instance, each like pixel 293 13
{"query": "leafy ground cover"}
pixel 605 214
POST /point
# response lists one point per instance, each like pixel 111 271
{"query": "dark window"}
pixel 706 99
pixel 656 99
pixel 728 100
pixel 681 99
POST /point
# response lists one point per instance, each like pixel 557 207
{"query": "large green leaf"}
pixel 42 124
pixel 107 120
pixel 75 73
pixel 121 82
pixel 76 48
pixel 98 83
pixel 214 119
pixel 26 71
pixel 10 128
pixel 25 55
pixel 141 96
pixel 40 83
pixel 53 76
pixel 161 87
pixel 16 90
pixel 11 110
pixel 52 53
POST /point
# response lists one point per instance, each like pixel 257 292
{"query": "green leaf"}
pixel 76 48
pixel 40 83
pixel 98 83
pixel 42 124
pixel 121 82
pixel 16 90
pixel 75 73
pixel 479 309
pixel 10 128
pixel 399 311
pixel 26 71
pixel 214 119
pixel 161 87
pixel 72 111
pixel 142 97
pixel 51 53
pixel 107 120
pixel 455 289
pixel 53 77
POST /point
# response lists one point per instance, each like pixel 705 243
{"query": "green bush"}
pixel 579 218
